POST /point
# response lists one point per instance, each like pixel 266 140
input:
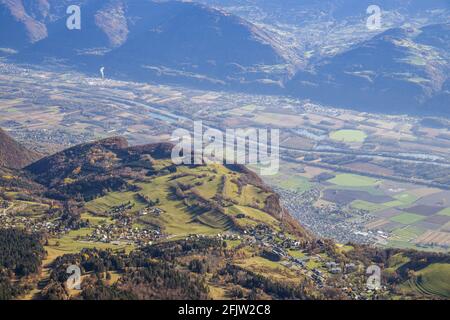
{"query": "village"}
pixel 276 247
pixel 125 229
pixel 326 220
pixel 52 227
pixel 122 226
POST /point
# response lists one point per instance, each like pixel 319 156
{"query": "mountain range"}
pixel 402 68
pixel 145 40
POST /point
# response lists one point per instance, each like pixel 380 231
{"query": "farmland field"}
pixel 394 214
pixel 348 135
pixel 296 183
pixel 407 218
pixel 445 212
pixel 365 205
pixel 432 280
pixel 352 180
pixel 408 233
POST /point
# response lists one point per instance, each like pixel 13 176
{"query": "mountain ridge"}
pixel 397 71
pixel 188 43
pixel 172 41
pixel 107 163
pixel 13 154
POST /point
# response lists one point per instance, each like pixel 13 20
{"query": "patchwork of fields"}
pixel 393 214
pixel 349 135
pixel 408 220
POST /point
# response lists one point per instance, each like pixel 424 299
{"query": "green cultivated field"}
pixel 296 183
pixel 258 215
pixel 407 218
pixel 445 212
pixel 368 206
pixel 434 279
pixel 403 199
pixel 353 180
pixel 408 233
pixel 348 135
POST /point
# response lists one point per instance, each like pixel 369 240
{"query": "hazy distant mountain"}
pixel 403 70
pixel 315 49
pixel 196 42
pixel 12 154
pixel 337 8
pixel 317 28
pixel 22 28
pixel 148 40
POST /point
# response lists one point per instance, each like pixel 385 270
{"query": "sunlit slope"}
pixel 195 199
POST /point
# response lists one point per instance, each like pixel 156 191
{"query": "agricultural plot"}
pixel 388 213
pixel 278 120
pixel 441 199
pixel 427 229
pixel 424 210
pixel 269 268
pixel 344 197
pixel 252 217
pixel 445 212
pixel 296 183
pixel 376 204
pixel 407 233
pixel 367 206
pixel 407 218
pixel 177 220
pixel 294 178
pixel 370 168
pixel 348 136
pixel 434 238
pixel 432 280
pixel 352 180
pixel 437 219
pixel 404 214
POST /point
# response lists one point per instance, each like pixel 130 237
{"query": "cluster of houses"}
pixel 117 233
pixel 228 236
pixel 219 236
pixel 323 220
pixel 151 210
pixel 4 204
pixel 121 209
pixel 124 208
pixel 265 234
pixel 264 237
pixel 55 227
pixel 279 250
pixel 336 268
pixel 318 277
pixel 122 230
